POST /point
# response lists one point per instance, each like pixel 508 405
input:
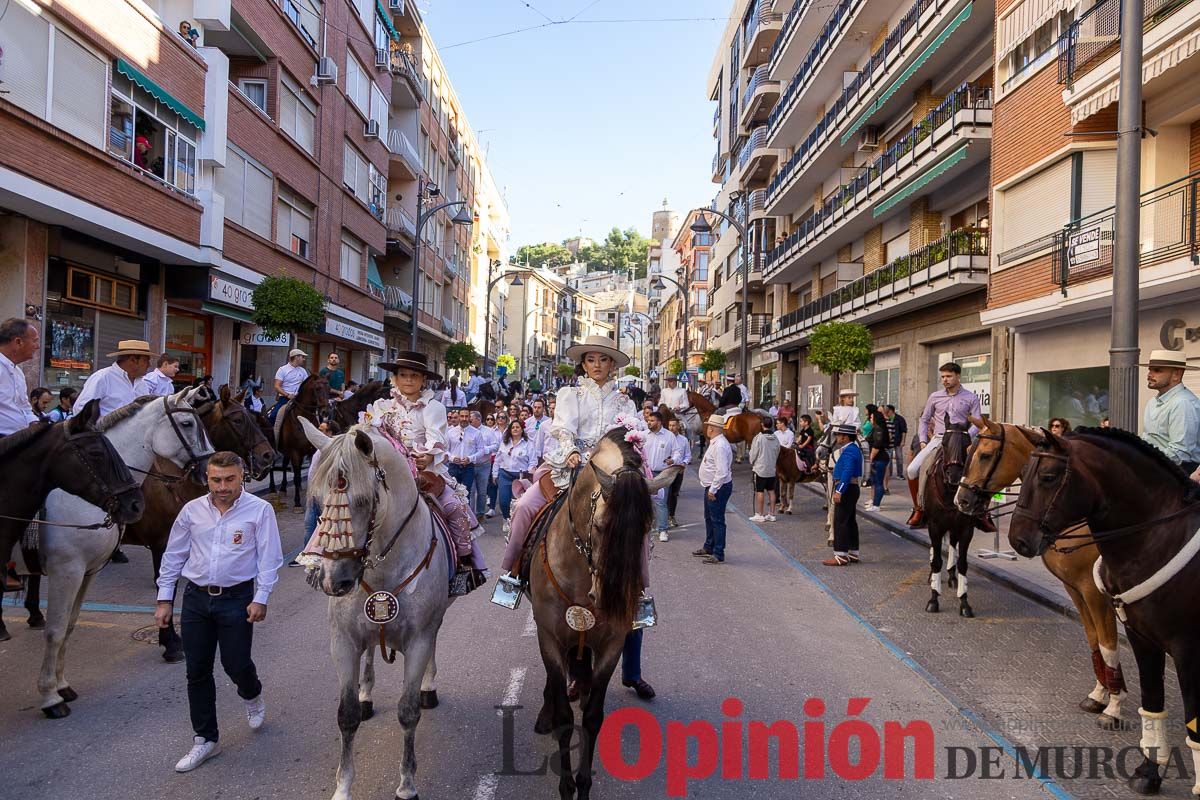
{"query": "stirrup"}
pixel 465 581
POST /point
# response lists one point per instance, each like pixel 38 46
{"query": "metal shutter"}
pixel 231 183
pixel 111 329
pixel 80 83
pixel 1037 206
pixel 1099 190
pixel 260 200
pixel 25 38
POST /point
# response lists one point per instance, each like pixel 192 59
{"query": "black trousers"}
pixel 673 494
pixel 845 520
pixel 208 622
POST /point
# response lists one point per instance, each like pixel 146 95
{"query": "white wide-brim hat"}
pixel 1169 359
pixel 597 344
pixel 716 419
pixel 132 347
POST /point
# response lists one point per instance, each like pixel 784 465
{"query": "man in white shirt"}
pixel 473 384
pixel 537 426
pixel 741 385
pixel 674 397
pixel 19 342
pixel 226 544
pixel 682 455
pixel 160 380
pixel 716 476
pixel 288 379
pixel 483 464
pixel 464 443
pixel 845 412
pixel 120 383
pixel 660 453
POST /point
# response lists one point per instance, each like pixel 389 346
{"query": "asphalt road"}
pixel 762 628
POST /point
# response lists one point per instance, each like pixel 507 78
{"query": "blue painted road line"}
pixel 112 608
pixel 1002 741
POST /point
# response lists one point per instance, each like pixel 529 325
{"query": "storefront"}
pixel 259 355
pixel 189 338
pixel 358 341
pixel 206 312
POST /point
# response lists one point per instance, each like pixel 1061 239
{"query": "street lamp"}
pixel 658 285
pixel 701 226
pixel 462 217
pixel 487 317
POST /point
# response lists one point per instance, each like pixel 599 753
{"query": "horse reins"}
pixel 586 549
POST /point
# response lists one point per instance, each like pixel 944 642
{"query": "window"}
pixel 379 111
pixel 1078 395
pixel 297 113
pixel 700 272
pixel 352 259
pixel 305 15
pixel 151 136
pixel 358 84
pixel 101 291
pixel 355 173
pixel 255 90
pixel 293 225
pixel 249 190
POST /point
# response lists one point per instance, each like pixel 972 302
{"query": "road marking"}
pixel 486 788
pixel 112 608
pixel 530 626
pixel 516 679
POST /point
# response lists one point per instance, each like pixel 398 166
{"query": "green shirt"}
pixel 336 378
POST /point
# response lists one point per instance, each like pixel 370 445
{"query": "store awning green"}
pixel 387 20
pixel 921 181
pixel 160 94
pixel 227 311
pixel 895 85
pixel 373 276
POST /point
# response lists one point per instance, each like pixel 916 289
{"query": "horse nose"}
pixel 1023 548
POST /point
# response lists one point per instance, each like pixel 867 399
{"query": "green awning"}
pixel 227 311
pixel 916 184
pixel 895 85
pixel 160 94
pixel 373 276
pixel 387 20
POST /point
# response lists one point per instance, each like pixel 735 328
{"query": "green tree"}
pixel 837 347
pixel 286 305
pixel 461 355
pixel 621 251
pixel 565 371
pixel 713 360
pixel 675 367
pixel 633 370
pixel 546 254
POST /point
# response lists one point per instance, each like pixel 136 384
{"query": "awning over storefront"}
pixel 373 277
pixel 921 181
pixel 354 333
pixel 160 94
pixel 227 311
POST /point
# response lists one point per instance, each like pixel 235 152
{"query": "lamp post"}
pixel 701 226
pixel 487 319
pixel 684 299
pixel 463 217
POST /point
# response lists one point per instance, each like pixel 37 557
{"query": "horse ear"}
pixel 605 479
pixel 240 397
pixel 86 419
pixel 981 423
pixel 364 444
pixel 1036 436
pixel 947 417
pixel 663 479
pixel 225 394
pixel 315 437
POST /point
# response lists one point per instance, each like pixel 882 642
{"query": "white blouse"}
pixel 420 425
pixel 582 415
pixel 518 456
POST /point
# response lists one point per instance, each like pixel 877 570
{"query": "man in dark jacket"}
pixel 846 473
pixel 897 430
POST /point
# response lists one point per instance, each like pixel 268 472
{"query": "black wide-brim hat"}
pixel 407 359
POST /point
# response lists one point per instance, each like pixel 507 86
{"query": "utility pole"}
pixel 1123 352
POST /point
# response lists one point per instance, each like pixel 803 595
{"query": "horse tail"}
pixel 623 530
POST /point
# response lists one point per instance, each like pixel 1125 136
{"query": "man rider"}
pixel 1171 421
pixel 288 379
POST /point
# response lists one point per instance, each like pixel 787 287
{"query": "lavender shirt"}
pixel 959 405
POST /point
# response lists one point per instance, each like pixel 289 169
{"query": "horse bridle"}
pixel 111 493
pixel 363 554
pixel 981 490
pixel 1028 476
pixel 946 462
pixel 194 460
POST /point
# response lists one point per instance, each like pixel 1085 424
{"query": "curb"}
pixel 1015 583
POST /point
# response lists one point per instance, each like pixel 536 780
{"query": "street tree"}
pixel 565 371
pixel 675 367
pixel 287 305
pixel 837 347
pixel 633 370
pixel 621 251
pixel 713 360
pixel 546 254
pixel 461 356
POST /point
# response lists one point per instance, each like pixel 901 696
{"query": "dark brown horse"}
pixel 1142 511
pixel 72 456
pixel 345 412
pixel 312 403
pixel 607 516
pixel 997 460
pixel 945 520
pixel 788 474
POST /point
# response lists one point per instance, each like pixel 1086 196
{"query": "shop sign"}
pixel 1173 333
pixel 254 335
pixel 231 294
pixel 977 377
pixel 354 333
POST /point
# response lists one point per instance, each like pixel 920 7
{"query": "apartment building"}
pixel 660 260
pixel 685 335
pixel 1054 184
pixel 540 311
pixel 856 149
pixel 163 157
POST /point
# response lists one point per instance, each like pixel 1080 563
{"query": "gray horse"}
pixel 383 538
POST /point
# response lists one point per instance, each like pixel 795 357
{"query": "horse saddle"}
pixel 538 529
pixel 277 425
pixel 431 484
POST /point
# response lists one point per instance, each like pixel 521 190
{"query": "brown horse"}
pixel 590 561
pixel 312 403
pixel 743 427
pixel 788 474
pixel 1142 511
pixel 946 520
pixel 345 412
pixel 997 459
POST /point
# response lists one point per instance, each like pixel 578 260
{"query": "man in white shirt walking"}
pixel 464 444
pixel 226 544
pixel 19 342
pixel 288 380
pixel 537 426
pixel 483 464
pixel 660 451
pixel 120 383
pixel 682 456
pixel 160 381
pixel 716 476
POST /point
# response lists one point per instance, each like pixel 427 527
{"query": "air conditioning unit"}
pixel 372 129
pixel 382 59
pixel 327 71
pixel 396 5
pixel 869 138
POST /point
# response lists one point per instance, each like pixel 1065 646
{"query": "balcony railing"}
pixel 400 221
pixel 1096 35
pixel 716 114
pixel 1083 249
pixel 798 9
pixel 757 78
pixel 394 299
pixel 698 310
pixel 398 144
pixel 758 200
pixel 966 97
pixel 404 64
pixel 893 278
pixel 805 72
pixel 756 139
pixel 452 267
pixel 447 326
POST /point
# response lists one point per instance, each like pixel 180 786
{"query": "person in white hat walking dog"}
pixel 1171 421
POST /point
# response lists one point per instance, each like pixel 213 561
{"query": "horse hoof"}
pixel 429 699
pixel 966 611
pixel 1144 785
pixel 1091 706
pixel 62 711
pixel 68 694
pixel 36 623
pixel 1110 723
pixel 932 606
pixel 4 635
pixel 173 656
pixel 366 710
pixel 544 723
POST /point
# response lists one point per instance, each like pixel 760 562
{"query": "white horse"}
pixel 147 427
pixel 382 538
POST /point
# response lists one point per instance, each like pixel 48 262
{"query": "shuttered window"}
pixel 112 329
pixel 1037 206
pixel 293 226
pixel 358 84
pixel 1098 190
pixel 297 113
pixel 25 70
pixel 379 111
pixel 80 83
pixel 249 192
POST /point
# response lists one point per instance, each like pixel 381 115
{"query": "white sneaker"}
pixel 491 512
pixel 663 537
pixel 770 518
pixel 202 750
pixel 870 507
pixel 758 518
pixel 506 527
pixel 256 712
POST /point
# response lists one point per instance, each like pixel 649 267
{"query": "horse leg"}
pixel 64 689
pixel 64 591
pixel 366 686
pixel 1189 683
pixel 33 603
pixel 416 658
pixel 1114 678
pixel 1095 701
pixel 593 720
pixel 963 549
pixel 346 653
pixel 1151 661
pixel 935 570
pixel 429 698
pixel 297 465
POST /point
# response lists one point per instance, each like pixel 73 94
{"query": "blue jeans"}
pixel 506 492
pixel 631 657
pixel 493 489
pixel 660 508
pixel 714 521
pixel 879 472
pixel 464 474
pixel 280 402
pixel 479 489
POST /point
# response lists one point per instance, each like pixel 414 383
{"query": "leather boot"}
pixel 917 518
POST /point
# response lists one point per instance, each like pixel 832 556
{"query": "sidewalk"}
pixel 1026 576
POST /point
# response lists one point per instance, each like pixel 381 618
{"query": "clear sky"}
pixel 587 124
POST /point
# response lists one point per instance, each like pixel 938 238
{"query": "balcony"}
pixel 404 156
pixel 718 169
pixel 696 311
pixel 799 28
pixel 395 300
pixel 448 326
pixel 1096 35
pixel 953 265
pixel 452 270
pixel 400 222
pixel 757 204
pixel 756 160
pixel 762 29
pixel 952 139
pixel 411 90
pixel 913 52
pixel 758 98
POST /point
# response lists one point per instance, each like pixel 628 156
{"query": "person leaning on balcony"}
pixel 1171 421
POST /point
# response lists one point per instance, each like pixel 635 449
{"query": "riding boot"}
pixel 917 519
pixel 985 523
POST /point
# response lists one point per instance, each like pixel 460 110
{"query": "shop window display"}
pixel 1078 395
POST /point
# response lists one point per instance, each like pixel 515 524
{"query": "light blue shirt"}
pixel 1172 424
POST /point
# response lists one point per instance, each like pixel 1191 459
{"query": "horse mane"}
pixel 624 525
pixel 123 413
pixel 637 395
pixel 342 457
pixel 1190 488
pixel 17 440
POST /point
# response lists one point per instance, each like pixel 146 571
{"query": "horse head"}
pixel 231 427
pixel 82 461
pixel 994 462
pixel 1047 504
pixel 956 441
